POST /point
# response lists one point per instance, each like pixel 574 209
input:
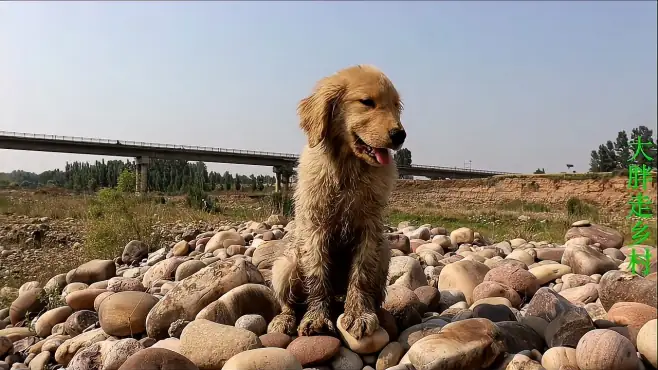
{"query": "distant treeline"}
pixel 168 176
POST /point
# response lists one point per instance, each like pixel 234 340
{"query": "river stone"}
pixel 194 293
pixel 389 356
pixel 603 349
pixel 77 322
pixel 83 299
pixel 31 301
pixel 70 347
pixel 134 251
pixel 263 358
pixel 40 361
pixel 556 357
pixel 16 333
pixel 406 271
pixel 247 299
pixel 646 342
pixel 464 276
pixel 414 333
pixel 366 345
pixel 44 325
pixel 621 286
pixel 587 293
pixel 92 271
pixel 124 313
pixel 587 260
pixel 346 360
pixel 549 272
pixel 188 268
pixel 91 357
pixel 520 337
pixel 631 315
pixel 119 352
pixel 315 349
pixel 163 270
pixel 158 359
pixel 467 344
pixel 489 289
pixel 515 277
pixel 55 284
pixel 218 240
pixel 227 341
pixel 604 235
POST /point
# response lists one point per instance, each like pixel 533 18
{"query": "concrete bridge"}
pixel 282 163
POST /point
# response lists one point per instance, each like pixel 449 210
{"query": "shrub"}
pixel 198 199
pixel 126 181
pixel 114 219
pixel 578 208
pixel 283 204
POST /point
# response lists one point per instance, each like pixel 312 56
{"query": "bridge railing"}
pixel 210 149
pixel 144 144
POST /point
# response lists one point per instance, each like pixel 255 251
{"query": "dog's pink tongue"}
pixel 383 156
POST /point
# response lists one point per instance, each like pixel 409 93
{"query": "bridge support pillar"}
pixel 141 175
pixel 282 176
pixel 277 178
pixel 277 183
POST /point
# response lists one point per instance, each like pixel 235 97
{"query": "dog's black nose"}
pixel 397 136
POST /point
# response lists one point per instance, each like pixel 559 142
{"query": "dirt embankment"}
pixel 608 193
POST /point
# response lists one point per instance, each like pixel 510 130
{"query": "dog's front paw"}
pixel 315 322
pixel 283 323
pixel 360 324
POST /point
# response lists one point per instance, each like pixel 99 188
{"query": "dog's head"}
pixel 356 110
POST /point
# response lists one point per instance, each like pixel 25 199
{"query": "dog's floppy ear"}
pixel 317 111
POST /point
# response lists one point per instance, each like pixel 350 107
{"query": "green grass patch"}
pixel 491 225
pixel 579 208
pixel 523 206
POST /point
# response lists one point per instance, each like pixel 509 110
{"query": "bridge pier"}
pixel 282 178
pixel 141 174
pixel 277 182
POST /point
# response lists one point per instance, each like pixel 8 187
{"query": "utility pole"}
pixel 468 165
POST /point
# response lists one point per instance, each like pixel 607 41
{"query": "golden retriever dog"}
pixel 345 176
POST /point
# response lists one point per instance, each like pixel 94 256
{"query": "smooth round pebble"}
pixel 603 349
pixel 270 358
pixel 254 323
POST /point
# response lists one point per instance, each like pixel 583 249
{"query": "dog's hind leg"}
pixel 287 288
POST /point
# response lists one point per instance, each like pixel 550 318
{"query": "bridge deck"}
pixel 123 148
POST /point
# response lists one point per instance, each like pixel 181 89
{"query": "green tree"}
pixel 644 134
pixel 622 148
pixel 540 171
pixel 92 185
pixel 402 157
pixel 616 156
pixel 238 183
pixel 254 182
pixel 228 180
pixel 126 181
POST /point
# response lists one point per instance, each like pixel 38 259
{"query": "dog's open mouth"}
pixel 380 155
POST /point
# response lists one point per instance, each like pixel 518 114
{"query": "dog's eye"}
pixel 368 102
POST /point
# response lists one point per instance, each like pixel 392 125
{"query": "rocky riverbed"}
pixel 454 301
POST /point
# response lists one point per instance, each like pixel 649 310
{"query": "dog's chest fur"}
pixel 342 198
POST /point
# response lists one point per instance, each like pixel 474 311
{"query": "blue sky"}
pixel 511 86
